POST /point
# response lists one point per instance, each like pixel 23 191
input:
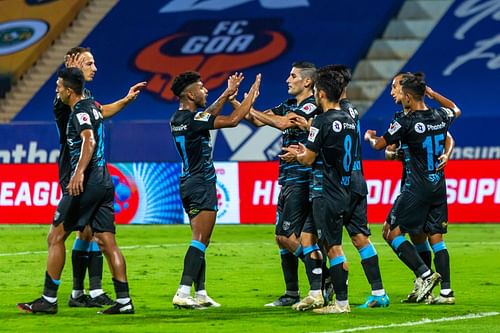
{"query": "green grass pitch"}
pixel 243 273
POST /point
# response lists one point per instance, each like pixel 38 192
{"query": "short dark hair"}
pixel 77 49
pixel 331 82
pixel 183 80
pixel 72 78
pixel 342 70
pixel 307 69
pixel 414 85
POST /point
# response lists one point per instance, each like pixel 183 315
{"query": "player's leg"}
pixel 202 223
pixel 436 227
pixel 79 261
pixel 47 303
pixel 95 267
pixel 410 216
pixel 313 259
pixel 202 227
pixel 356 223
pixel 118 268
pixel 289 247
pixel 98 203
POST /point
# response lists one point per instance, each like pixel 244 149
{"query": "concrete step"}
pixel 393 49
pixel 377 69
pixel 409 29
pixel 362 105
pixel 424 9
pixel 366 90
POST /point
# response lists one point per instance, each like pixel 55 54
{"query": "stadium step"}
pixel 52 58
pixel 388 55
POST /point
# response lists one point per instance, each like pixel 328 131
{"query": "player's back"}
pixel 424 141
pixel 358 182
pixel 337 137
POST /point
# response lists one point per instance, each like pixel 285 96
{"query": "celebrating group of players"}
pixel 323 187
pixel 321 176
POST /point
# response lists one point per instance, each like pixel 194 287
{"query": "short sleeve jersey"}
pixel 61 115
pixel 294 172
pixel 86 115
pixel 333 137
pixel 422 135
pixel 358 182
pixel 192 140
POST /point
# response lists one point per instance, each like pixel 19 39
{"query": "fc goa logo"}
pixel 230 46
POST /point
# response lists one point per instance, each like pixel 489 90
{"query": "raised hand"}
pixel 254 89
pixel 74 60
pixel 369 134
pixel 233 83
pixel 135 90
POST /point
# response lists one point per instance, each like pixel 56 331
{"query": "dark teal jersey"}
pixel 422 135
pixel 333 137
pixel 295 173
pixel 192 140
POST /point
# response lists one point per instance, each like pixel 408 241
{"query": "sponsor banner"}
pixel 228 196
pixel 36 142
pixel 473 190
pixel 470 30
pixel 27 28
pixel 259 191
pixel 145 193
pixel 29 193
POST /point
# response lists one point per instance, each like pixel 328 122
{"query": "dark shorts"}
pixel 96 208
pixel 329 219
pixel 197 196
pixel 356 220
pixel 67 211
pixel 309 226
pixel 415 215
pixel 292 210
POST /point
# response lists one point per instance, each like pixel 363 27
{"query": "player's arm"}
pixel 393 153
pixel 305 156
pixel 449 144
pixel 110 110
pixel 253 115
pixel 299 121
pixel 443 101
pixel 376 142
pixel 75 186
pixel 237 115
pixel 232 89
pixel 271 119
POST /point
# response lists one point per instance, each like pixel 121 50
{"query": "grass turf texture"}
pixel 243 273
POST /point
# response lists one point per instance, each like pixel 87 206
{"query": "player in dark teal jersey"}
pixel 421 207
pixel 92 191
pixel 190 130
pixel 395 151
pixel 356 220
pixel 295 234
pixel 332 138
pixel 86 254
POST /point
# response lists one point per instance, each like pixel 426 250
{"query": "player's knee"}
pixel 359 241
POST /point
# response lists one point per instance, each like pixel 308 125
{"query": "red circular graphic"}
pixel 126 196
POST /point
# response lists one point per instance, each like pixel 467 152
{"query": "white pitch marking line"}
pixel 416 323
pixel 134 247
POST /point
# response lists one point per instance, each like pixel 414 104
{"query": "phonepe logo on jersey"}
pixel 216 49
